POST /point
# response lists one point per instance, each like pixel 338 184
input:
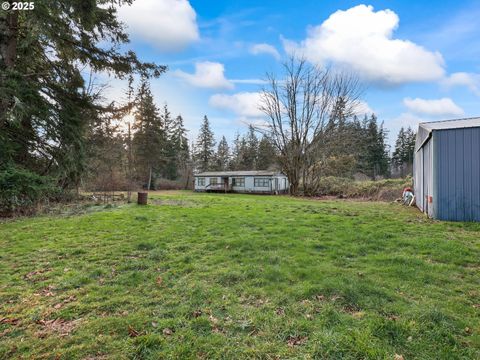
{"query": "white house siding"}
pixel 276 183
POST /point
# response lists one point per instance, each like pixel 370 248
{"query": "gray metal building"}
pixel 446 169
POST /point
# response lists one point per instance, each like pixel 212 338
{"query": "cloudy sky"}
pixel 419 59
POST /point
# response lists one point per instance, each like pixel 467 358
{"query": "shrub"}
pixel 22 190
pixel 165 184
pixel 387 190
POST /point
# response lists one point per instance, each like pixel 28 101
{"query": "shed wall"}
pixel 423 178
pixel 457 163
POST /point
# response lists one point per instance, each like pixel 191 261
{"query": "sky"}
pixel 419 60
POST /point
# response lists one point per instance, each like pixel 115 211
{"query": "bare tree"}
pixel 298 107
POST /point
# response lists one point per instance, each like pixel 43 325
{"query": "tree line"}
pixel 58 133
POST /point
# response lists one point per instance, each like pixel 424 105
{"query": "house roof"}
pixel 240 173
pixel 425 129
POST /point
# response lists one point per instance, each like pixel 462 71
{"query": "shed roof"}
pixel 426 128
pixel 240 173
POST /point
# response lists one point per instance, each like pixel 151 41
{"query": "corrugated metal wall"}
pixel 423 178
pixel 418 178
pixel 457 167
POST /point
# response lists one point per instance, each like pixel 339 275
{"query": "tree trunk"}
pixel 149 179
pixel 8 53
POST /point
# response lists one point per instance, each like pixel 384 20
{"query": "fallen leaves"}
pixel 398 357
pixel 296 340
pixel 132 332
pixel 197 313
pixel 280 311
pixel 10 321
pixel 34 275
pixel 60 326
pixel 46 291
pixel 159 281
pixel 167 331
pixel 69 299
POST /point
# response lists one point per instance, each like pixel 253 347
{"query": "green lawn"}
pixel 239 276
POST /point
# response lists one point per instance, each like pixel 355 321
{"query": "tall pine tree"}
pixel 205 147
pixel 402 157
pixel 149 139
pixel 222 157
pixel 266 157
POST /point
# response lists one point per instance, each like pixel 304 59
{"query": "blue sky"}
pixel 420 60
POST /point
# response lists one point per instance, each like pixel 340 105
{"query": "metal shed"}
pixel 446 169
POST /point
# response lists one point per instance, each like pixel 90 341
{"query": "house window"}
pixel 238 182
pixel 261 182
pixel 213 181
pixel 201 181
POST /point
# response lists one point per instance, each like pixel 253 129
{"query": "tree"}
pixel 149 139
pixel 250 150
pixel 181 151
pixel 171 145
pixel 402 157
pixel 205 146
pixel 222 157
pixel 107 157
pixel 298 107
pixel 266 157
pixel 375 151
pixel 46 99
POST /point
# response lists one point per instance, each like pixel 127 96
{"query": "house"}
pixel 259 182
pixel 447 169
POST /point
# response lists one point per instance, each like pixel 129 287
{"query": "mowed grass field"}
pixel 213 276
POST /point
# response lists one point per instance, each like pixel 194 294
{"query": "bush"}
pixel 22 190
pixel 387 190
pixel 165 184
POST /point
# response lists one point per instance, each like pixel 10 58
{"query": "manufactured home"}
pixel 259 182
pixel 446 169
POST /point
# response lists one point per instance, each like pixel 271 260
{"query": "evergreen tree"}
pixel 251 149
pixel 179 142
pixel 235 153
pixel 222 157
pixel 374 156
pixel 266 157
pixel 171 147
pixel 205 146
pixel 149 140
pixel 46 105
pixel 402 157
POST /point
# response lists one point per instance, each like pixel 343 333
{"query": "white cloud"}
pixel 433 107
pixel 249 81
pixel 404 120
pixel 244 104
pixel 265 49
pixel 169 25
pixel 362 40
pixel 208 75
pixel 363 108
pixel 470 80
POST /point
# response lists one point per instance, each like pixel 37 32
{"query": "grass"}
pixel 240 276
